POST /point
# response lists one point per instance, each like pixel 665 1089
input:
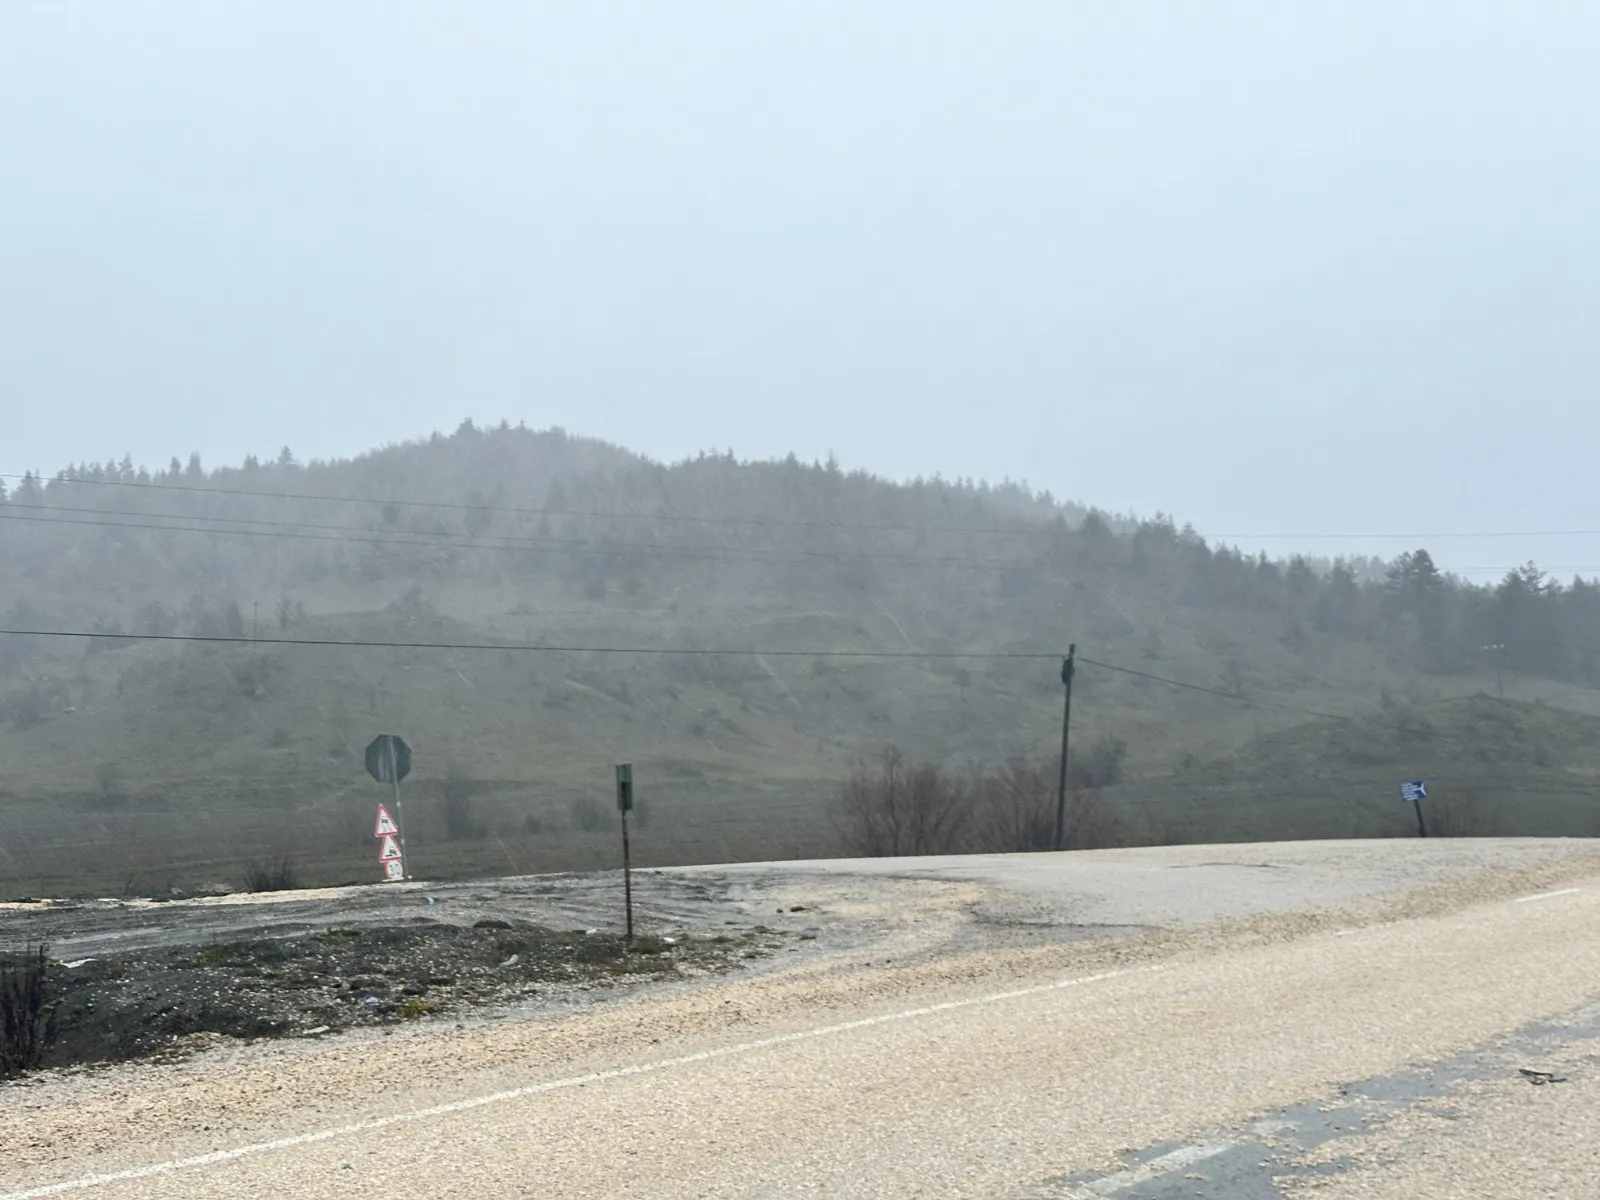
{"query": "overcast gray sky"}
pixel 1309 268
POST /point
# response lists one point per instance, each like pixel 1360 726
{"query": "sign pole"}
pixel 625 806
pixel 1422 828
pixel 388 761
pixel 627 875
pixel 399 812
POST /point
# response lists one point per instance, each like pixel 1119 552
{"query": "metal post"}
pixel 399 812
pixel 1422 828
pixel 627 875
pixel 625 806
pixel 1067 670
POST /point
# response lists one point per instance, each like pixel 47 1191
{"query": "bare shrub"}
pixel 893 807
pixel 588 814
pixel 456 805
pixel 1100 765
pixel 1016 811
pixel 277 876
pixel 28 706
pixel 1456 814
pixel 109 790
pixel 27 1023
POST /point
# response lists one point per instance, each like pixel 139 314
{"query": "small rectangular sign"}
pixel 1413 791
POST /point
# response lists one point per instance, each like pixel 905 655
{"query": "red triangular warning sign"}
pixel 385 824
pixel 388 848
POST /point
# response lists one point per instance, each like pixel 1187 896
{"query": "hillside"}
pixel 1493 767
pixel 858 613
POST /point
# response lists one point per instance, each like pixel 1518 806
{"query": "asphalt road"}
pixel 1342 1018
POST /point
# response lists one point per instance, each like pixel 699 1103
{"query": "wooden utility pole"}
pixel 1067 669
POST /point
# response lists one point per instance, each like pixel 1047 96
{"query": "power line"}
pixel 1200 687
pixel 528 647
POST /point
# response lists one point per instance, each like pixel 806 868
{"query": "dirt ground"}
pixel 147 1002
pixel 128 980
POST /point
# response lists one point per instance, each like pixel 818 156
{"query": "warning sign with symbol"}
pixel 388 848
pixel 385 825
pixel 394 871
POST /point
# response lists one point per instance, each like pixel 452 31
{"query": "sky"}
pixel 1325 271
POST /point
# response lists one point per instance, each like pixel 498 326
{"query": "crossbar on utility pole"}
pixel 1067 670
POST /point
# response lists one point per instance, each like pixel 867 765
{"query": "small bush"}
pixel 277 876
pixel 456 805
pixel 27 1019
pixel 109 792
pixel 28 707
pixel 588 815
pixel 1456 814
pixel 895 807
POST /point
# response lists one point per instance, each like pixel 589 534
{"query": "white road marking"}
pixel 1166 1164
pixel 556 1085
pixel 1546 895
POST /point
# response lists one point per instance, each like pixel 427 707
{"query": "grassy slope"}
pixel 226 756
pixel 1493 767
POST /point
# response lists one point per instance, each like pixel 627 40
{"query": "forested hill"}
pixel 980 567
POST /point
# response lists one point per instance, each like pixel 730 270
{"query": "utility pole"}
pixel 1067 669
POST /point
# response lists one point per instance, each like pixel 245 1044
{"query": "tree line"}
pixel 512 505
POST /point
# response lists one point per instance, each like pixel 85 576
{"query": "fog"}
pixel 1295 269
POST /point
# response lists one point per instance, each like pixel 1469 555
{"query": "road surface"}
pixel 1333 1019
